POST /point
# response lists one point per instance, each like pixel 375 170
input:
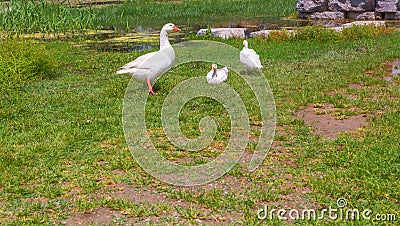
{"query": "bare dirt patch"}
pixel 278 185
pixel 126 192
pixel 326 124
pixel 100 216
pixel 356 85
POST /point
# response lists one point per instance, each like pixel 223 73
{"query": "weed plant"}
pixel 22 62
pixel 22 17
pixel 324 34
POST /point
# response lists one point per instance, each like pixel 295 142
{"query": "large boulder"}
pixel 310 6
pixel 387 6
pixel 351 5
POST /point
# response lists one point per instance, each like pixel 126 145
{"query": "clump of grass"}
pixel 22 17
pixel 317 33
pixel 324 34
pixel 356 32
pixel 22 62
pixel 280 35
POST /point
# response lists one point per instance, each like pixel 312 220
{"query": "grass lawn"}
pixel 64 158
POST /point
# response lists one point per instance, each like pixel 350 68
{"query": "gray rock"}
pixel 363 23
pixel 351 5
pixel 265 33
pixel 225 33
pixel 387 5
pixel 261 33
pixel 323 15
pixel 310 6
pixel 392 16
pixel 338 29
pixel 361 15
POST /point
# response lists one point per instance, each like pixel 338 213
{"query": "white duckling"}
pixel 249 58
pixel 216 76
pixel 149 67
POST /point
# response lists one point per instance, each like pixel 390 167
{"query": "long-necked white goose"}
pixel 149 67
pixel 249 58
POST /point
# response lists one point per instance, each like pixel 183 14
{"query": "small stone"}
pixel 396 67
pixel 388 79
pixel 338 29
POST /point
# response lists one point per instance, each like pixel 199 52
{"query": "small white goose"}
pixel 249 58
pixel 149 67
pixel 216 76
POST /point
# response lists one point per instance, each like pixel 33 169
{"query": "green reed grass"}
pixel 189 12
pixel 21 17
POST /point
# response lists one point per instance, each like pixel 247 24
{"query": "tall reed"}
pixel 190 12
pixel 21 17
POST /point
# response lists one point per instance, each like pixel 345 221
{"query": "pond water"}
pixel 147 38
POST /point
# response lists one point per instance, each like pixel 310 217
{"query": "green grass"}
pixel 64 136
pixel 25 17
pixel 23 62
pixel 190 12
pixel 63 149
pixel 51 18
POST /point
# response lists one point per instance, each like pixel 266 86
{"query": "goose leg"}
pixel 247 71
pixel 150 87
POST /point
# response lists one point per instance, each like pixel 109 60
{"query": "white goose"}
pixel 249 58
pixel 149 67
pixel 216 76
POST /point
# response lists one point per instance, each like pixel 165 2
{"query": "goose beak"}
pixel 176 28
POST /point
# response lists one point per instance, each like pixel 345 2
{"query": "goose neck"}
pixel 164 42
